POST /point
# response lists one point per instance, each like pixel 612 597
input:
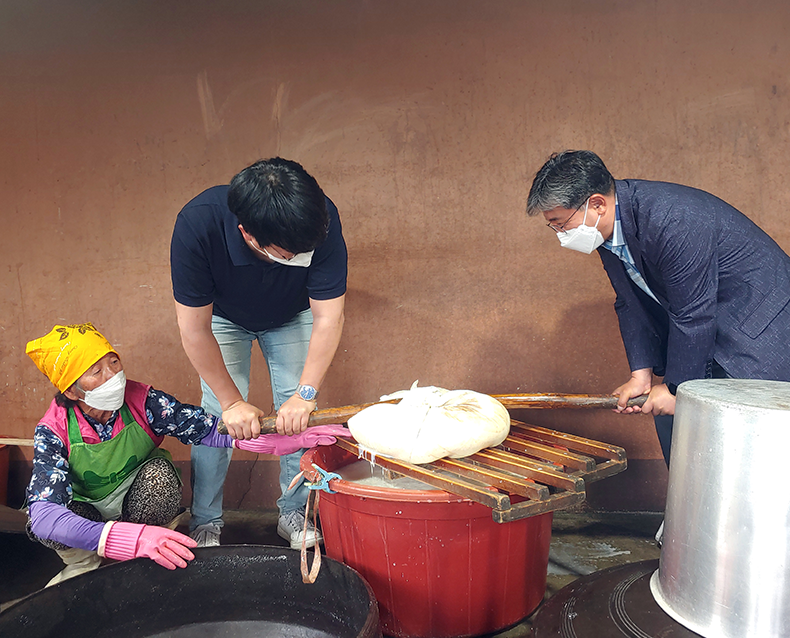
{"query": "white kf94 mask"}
pixel 109 395
pixel 302 260
pixel 583 238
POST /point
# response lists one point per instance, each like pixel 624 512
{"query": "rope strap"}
pixel 315 487
pixel 310 577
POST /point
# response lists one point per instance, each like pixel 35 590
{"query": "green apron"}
pixel 97 470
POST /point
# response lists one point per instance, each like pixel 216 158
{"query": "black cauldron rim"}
pixel 222 584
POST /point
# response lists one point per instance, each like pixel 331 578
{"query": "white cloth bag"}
pixel 430 423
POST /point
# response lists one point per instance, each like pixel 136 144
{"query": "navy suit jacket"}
pixel 723 286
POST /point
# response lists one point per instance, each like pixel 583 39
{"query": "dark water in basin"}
pixel 251 629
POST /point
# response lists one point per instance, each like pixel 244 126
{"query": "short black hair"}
pixel 566 180
pixel 64 402
pixel 279 203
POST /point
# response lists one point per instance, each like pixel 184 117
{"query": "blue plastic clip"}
pixel 323 484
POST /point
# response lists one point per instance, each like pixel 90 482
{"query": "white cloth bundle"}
pixel 430 423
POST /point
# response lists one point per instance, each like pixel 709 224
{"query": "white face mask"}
pixel 583 238
pixel 302 260
pixel 109 395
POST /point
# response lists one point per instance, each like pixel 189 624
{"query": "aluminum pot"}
pixel 724 570
pixel 232 591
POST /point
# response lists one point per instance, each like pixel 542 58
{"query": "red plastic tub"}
pixel 438 564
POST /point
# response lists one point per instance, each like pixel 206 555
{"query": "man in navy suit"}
pixel 701 290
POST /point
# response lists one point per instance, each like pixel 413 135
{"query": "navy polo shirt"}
pixel 211 264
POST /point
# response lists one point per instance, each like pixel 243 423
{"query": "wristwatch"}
pixel 307 392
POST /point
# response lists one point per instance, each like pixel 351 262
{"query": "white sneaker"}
pixel 206 535
pixel 291 528
pixel 660 535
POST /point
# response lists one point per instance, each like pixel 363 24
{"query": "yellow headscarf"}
pixel 66 353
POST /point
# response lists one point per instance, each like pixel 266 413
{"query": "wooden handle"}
pixel 554 400
pixel 319 417
pixel 510 401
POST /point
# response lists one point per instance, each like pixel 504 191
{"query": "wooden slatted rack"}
pixel 535 470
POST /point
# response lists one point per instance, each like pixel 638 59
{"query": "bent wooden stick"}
pixel 511 401
pixel 555 400
pixel 319 417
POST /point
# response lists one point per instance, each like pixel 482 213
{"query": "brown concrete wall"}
pixel 424 122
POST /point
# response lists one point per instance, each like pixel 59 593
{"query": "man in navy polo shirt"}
pixel 260 260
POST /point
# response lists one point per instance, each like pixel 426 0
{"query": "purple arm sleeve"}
pixel 215 439
pixel 56 522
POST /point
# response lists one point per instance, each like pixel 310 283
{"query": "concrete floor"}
pixel 582 542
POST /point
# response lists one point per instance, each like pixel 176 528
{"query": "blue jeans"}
pixel 285 351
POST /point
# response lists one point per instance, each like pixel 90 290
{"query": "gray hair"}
pixel 566 180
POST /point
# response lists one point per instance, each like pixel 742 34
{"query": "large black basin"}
pixel 232 590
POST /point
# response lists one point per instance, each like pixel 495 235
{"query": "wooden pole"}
pixel 510 401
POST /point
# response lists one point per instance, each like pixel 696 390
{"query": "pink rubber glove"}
pixel 124 541
pixel 280 444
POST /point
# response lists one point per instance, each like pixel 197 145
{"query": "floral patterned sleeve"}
pixel 50 480
pixel 166 416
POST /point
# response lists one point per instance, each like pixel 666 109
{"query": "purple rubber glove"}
pixel 214 439
pixel 124 541
pixel 280 444
pixel 57 523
